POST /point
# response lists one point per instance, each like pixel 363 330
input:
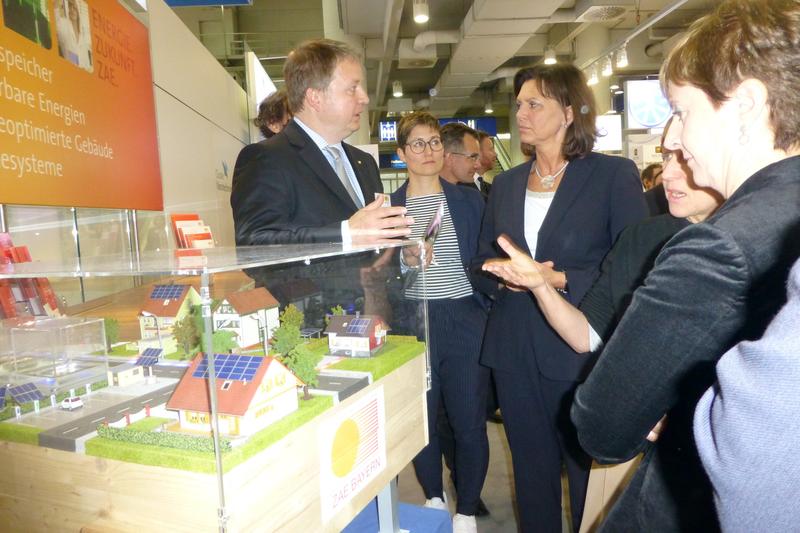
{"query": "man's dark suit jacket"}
pixel 285 191
pixel 483 186
pixel 714 284
pixel 598 197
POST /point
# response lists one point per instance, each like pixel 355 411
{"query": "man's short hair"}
pixel 311 66
pixel 481 135
pixel 452 135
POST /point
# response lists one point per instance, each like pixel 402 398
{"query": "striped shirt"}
pixel 445 277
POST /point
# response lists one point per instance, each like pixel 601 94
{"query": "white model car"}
pixel 73 402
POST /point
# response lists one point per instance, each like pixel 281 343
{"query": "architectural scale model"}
pixel 252 393
pixel 356 335
pixel 252 315
pixel 165 305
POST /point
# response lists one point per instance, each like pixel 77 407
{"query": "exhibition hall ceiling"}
pixel 465 54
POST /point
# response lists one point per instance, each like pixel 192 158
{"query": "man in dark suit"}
pixel 305 184
pixel 461 153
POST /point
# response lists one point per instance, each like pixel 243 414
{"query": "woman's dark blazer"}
pixel 714 284
pixel 466 210
pixel 598 197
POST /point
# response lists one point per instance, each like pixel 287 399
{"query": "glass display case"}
pixel 234 389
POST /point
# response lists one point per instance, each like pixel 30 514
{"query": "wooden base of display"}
pixel 277 490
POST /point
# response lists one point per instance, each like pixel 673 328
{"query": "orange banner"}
pixel 77 118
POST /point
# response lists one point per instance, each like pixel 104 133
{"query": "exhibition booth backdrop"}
pixel 174 144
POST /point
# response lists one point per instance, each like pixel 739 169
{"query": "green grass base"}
pixel 204 462
pixel 19 433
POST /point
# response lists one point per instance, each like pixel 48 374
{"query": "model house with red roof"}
pixel 252 315
pixel 356 335
pixel 252 393
pixel 165 305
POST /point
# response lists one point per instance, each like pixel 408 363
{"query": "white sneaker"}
pixel 437 503
pixel 464 524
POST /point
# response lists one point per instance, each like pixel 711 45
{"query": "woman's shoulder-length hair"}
pixel 566 84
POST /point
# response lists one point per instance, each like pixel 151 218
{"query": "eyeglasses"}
pixel 418 145
pixel 473 157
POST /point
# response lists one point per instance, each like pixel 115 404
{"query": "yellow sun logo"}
pixel 345 448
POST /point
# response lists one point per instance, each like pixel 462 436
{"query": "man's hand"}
pixel 374 224
pixel 519 270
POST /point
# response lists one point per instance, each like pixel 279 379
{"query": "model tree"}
pixel 185 331
pixel 288 346
pixel 292 316
pixel 303 364
pixel 112 332
pixel 285 338
pixel 222 341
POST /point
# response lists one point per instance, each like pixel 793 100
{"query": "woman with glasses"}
pixel 456 314
pixel 565 207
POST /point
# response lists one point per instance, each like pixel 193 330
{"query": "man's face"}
pixel 464 164
pixel 343 101
pixel 488 155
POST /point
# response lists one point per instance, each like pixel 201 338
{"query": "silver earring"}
pixel 744 138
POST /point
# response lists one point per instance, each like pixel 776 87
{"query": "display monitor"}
pixel 645 105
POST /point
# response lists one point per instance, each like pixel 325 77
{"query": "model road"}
pixel 63 437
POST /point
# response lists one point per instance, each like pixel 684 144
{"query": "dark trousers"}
pixel 542 438
pixel 460 383
pixel 445 430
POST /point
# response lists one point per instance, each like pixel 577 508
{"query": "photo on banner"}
pixel 29 18
pixel 74 33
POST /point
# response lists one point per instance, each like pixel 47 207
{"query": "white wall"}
pixel 201 115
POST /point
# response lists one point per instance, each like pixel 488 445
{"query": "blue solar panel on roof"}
pixel 152 352
pixel 3 397
pixel 25 393
pixel 357 326
pixel 230 366
pixel 166 292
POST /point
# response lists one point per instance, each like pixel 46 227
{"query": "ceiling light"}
pixel 618 92
pixel 420 10
pixel 397 89
pixel 622 57
pixel 488 108
pixel 592 77
pixel 550 56
pixel 613 86
pixel 608 70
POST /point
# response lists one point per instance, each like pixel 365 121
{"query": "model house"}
pixel 356 335
pixel 252 393
pixel 252 315
pixel 165 305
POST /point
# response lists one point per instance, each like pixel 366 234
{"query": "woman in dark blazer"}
pixel 734 87
pixel 567 205
pixel 456 315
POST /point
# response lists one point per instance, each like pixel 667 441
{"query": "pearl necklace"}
pixel 549 180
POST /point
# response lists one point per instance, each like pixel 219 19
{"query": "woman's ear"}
pixel 751 97
pixel 568 116
pixel 401 154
